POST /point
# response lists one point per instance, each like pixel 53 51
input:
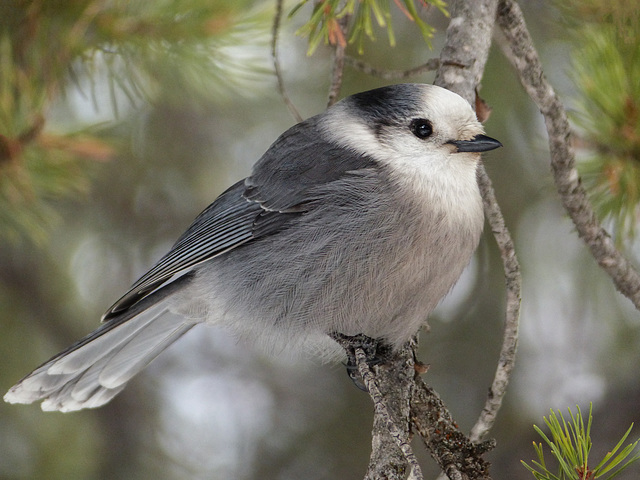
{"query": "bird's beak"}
pixel 479 143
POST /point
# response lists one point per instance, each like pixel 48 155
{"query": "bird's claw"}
pixel 375 350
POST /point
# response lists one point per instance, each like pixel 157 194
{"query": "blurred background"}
pixel 121 121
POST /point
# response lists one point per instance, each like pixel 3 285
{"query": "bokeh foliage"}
pixel 130 49
pixel 606 72
pixel 140 54
pixel 324 24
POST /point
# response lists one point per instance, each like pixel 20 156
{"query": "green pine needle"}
pixel 605 71
pixel 193 51
pixel 570 445
pixel 323 25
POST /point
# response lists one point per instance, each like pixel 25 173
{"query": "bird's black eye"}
pixel 421 128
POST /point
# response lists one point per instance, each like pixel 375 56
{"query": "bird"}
pixel 354 222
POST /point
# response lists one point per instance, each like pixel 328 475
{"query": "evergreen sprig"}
pixel 324 22
pixel 169 51
pixel 570 445
pixel 606 72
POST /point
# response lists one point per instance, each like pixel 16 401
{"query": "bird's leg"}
pixel 375 349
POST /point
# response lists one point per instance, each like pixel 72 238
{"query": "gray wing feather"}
pixel 283 184
pixel 297 162
pixel 225 224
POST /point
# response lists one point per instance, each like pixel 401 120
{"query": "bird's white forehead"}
pixel 450 110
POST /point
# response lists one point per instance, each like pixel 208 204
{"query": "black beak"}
pixel 479 143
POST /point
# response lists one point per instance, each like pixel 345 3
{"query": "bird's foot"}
pixel 375 350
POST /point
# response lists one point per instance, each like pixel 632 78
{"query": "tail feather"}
pixel 102 344
pixel 95 369
pixel 62 401
pixel 152 340
pixel 88 383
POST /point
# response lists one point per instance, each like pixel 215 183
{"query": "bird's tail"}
pixel 95 369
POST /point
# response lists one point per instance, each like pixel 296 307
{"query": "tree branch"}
pixel 391 421
pixel 513 283
pixel 276 63
pixel 467 43
pixel 457 456
pixel 338 63
pixel 431 65
pixel 524 58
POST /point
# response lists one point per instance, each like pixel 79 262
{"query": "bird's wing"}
pixel 281 187
pixel 225 224
pixel 301 159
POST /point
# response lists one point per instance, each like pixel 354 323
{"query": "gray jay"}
pixel 354 222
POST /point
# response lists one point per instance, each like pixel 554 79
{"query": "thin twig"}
pixel 338 63
pixel 472 27
pixel 431 65
pixel 513 283
pixel 381 410
pixel 276 63
pixel 524 58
